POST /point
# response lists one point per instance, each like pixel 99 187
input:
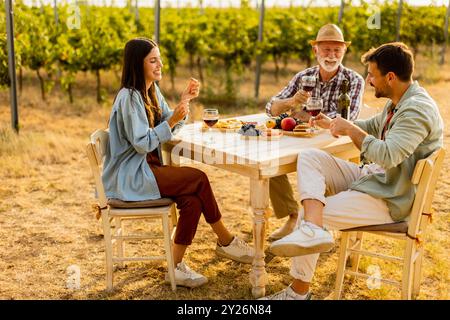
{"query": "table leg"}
pixel 259 202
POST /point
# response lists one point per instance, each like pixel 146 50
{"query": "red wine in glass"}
pixel 314 112
pixel 210 122
pixel 210 117
pixel 314 106
pixel 308 83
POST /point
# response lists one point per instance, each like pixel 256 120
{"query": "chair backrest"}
pixel 425 176
pixel 96 150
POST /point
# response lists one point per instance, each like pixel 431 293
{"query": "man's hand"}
pixel 301 97
pixel 280 106
pixel 192 90
pixel 301 115
pixel 340 126
pixel 320 120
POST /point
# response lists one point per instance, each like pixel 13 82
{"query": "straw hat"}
pixel 330 32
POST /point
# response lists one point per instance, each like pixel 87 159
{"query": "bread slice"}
pixel 303 127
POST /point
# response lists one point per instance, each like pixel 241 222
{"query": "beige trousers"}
pixel 282 196
pixel 327 179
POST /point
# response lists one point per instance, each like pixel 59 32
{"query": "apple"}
pixel 288 124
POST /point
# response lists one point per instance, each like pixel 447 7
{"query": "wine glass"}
pixel 210 117
pixel 314 107
pixel 308 83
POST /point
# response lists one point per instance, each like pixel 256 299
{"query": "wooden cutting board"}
pixel 307 134
pixel 205 128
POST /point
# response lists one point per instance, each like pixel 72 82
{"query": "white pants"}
pixel 327 179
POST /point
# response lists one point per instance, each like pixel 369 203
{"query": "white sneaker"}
pixel 287 294
pixel 186 277
pixel 237 250
pixel 307 239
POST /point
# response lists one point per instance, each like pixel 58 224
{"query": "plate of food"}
pixel 250 131
pixel 302 130
pixel 225 125
pixel 290 126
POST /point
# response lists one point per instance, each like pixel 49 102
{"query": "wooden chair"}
pixel 113 212
pixel 424 177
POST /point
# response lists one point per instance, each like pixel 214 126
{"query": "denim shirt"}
pixel 415 131
pixel 126 174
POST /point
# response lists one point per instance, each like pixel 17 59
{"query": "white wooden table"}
pixel 258 160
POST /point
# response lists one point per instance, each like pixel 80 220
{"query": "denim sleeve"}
pixel 143 138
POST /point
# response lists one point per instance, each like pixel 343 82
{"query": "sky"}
pixel 226 3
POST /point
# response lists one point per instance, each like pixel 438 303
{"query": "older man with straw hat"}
pixel 329 48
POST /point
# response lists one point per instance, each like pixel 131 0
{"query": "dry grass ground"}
pixel 47 223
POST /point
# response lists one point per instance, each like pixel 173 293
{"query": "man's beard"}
pixel 379 93
pixel 329 67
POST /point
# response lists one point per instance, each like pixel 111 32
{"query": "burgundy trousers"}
pixel 191 191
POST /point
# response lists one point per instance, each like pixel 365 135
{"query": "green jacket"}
pixel 415 131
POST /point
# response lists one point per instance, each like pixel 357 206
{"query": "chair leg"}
pixel 173 216
pixel 341 265
pixel 417 273
pixel 356 257
pixel 120 244
pixel 408 269
pixel 351 242
pixel 168 249
pixel 108 250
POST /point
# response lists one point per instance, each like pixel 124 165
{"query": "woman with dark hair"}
pixel 139 123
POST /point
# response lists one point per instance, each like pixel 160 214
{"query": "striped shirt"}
pixel 328 91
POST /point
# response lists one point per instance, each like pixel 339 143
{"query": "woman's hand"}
pixel 320 120
pixel 179 113
pixel 192 90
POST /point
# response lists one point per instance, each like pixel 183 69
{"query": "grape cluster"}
pixel 249 130
pixel 279 119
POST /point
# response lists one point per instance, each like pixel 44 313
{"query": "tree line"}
pixel 91 39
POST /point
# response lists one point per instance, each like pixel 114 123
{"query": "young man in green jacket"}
pixel 339 194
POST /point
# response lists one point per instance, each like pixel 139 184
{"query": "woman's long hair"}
pixel 133 76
